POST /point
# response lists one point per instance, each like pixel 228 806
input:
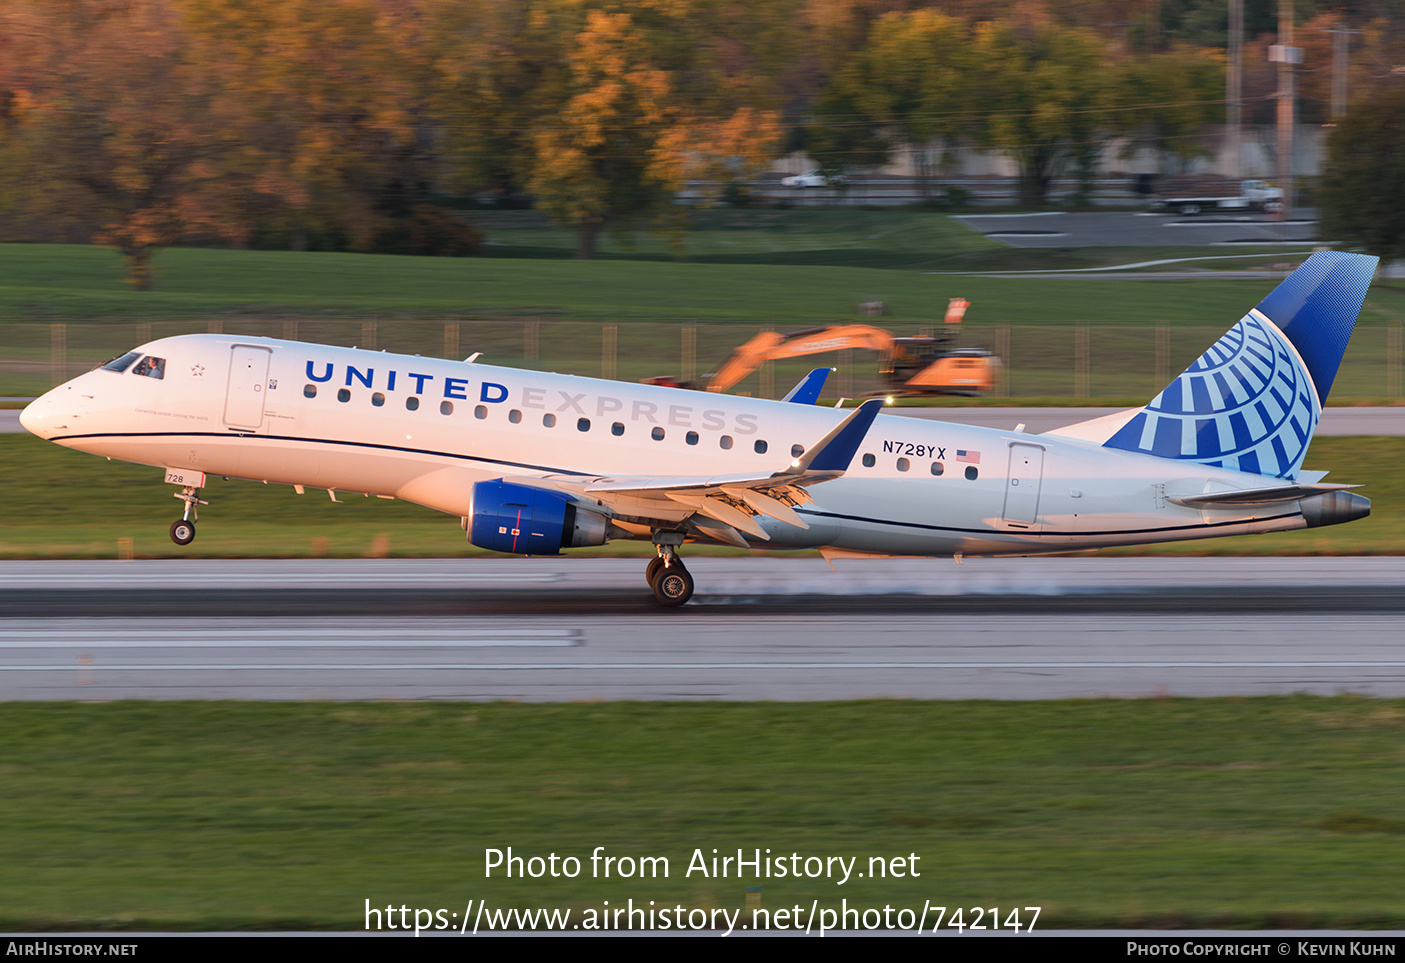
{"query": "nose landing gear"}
pixel 183 529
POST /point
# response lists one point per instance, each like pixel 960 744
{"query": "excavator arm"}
pixel 773 346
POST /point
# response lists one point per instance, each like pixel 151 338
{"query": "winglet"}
pixel 807 392
pixel 836 449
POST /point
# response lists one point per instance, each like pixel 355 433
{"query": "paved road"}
pixel 1056 229
pixel 1336 421
pixel 760 628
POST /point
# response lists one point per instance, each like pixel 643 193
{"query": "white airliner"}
pixel 535 463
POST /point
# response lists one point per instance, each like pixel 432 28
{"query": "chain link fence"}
pixel 1088 360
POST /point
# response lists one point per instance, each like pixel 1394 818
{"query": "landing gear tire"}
pixel 183 531
pixel 652 571
pixel 673 586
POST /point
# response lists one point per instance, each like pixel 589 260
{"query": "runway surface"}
pixel 1335 421
pixel 759 628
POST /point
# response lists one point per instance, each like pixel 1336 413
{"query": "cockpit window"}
pixel 122 363
pixel 151 367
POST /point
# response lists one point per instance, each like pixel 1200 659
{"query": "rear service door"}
pixel 1022 484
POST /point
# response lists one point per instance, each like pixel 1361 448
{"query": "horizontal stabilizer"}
pixel 1255 496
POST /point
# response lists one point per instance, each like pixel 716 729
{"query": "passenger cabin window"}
pixel 725 442
pixel 151 367
pixel 617 429
pixel 412 403
pixel 972 472
pixel 656 434
pixel 548 421
pixel 446 407
pixel 760 447
pixel 377 399
pixel 903 464
pixel 691 437
pixel 122 363
pixel 343 394
pixel 938 468
pixel 582 424
pixel 796 451
pixel 480 412
pixel 869 460
pixel 309 391
pixel 515 416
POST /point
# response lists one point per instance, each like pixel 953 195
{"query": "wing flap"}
pixel 766 505
pixel 724 512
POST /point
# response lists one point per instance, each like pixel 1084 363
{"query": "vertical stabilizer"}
pixel 1252 402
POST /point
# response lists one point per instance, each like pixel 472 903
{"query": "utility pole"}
pixel 1234 89
pixel 1286 55
pixel 1341 40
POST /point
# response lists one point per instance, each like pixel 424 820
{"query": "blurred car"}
pixel 812 178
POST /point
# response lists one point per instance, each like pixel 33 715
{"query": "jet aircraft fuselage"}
pixel 577 461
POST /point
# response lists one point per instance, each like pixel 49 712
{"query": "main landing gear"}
pixel 183 528
pixel 671 582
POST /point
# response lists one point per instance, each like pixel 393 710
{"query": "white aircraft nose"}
pixel 39 417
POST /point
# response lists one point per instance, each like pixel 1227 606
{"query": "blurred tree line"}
pixel 366 124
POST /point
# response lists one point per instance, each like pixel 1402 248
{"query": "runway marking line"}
pixel 670 666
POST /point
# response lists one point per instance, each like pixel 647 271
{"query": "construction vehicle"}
pixel 923 365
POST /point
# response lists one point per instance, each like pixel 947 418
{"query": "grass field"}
pixel 746 271
pixel 47 282
pixel 61 503
pixel 763 266
pixel 1276 812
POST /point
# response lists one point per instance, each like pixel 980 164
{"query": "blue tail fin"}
pixel 1252 402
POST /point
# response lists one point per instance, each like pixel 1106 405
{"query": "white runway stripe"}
pixel 693 666
pixel 280 633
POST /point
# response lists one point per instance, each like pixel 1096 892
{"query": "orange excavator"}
pixel 910 366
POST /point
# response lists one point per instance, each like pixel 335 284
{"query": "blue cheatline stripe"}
pixel 327 441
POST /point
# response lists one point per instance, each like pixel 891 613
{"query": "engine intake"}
pixel 523 520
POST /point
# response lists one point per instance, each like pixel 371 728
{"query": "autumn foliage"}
pixel 346 124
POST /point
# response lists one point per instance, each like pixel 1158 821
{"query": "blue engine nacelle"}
pixel 530 521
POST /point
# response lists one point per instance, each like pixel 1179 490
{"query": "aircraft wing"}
pixel 719 507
